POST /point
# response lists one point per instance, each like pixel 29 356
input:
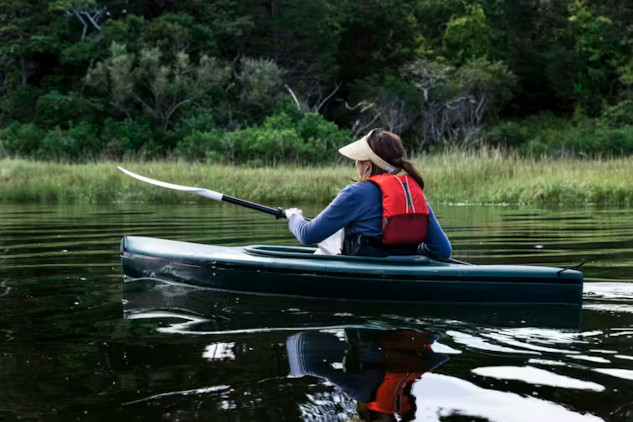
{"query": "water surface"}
pixel 75 345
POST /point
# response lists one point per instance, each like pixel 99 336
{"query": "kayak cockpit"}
pixel 303 252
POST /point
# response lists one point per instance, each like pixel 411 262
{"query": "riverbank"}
pixel 487 177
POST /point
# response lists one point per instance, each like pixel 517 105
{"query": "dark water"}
pixel 74 345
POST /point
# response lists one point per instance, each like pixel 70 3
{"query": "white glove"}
pixel 291 211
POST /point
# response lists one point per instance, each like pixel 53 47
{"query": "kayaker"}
pixel 382 214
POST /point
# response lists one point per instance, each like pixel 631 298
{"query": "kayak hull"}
pixel 292 271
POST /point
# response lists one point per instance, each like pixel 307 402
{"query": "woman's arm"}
pixel 437 243
pixel 340 212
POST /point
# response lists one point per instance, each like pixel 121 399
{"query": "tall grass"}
pixel 451 177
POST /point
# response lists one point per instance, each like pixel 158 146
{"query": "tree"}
pixel 595 64
pixel 468 37
pixel 459 101
pixel 160 88
pixel 260 85
pixel 390 103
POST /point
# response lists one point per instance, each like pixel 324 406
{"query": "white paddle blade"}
pixel 216 196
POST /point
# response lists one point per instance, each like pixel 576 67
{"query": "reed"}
pixel 484 177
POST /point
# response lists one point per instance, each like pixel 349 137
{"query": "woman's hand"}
pixel 291 211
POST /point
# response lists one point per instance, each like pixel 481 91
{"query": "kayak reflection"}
pixel 187 309
pixel 377 368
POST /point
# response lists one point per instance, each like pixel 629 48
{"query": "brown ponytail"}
pixel 389 147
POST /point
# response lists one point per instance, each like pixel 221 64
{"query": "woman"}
pixel 383 214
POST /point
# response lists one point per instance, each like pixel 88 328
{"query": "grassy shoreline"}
pixel 486 177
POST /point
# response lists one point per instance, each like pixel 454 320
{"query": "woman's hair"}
pixel 389 147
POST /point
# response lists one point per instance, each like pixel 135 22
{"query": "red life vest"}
pixel 405 214
pixel 393 395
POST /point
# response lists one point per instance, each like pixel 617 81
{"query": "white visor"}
pixel 360 150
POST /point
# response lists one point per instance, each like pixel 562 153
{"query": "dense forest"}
pixel 236 81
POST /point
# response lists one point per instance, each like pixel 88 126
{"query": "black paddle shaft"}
pixel 277 212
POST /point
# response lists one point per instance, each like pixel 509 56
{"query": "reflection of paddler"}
pixel 375 367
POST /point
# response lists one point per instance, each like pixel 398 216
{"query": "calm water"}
pixel 75 345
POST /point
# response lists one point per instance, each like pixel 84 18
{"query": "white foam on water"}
pixel 219 351
pixel 608 291
pixel 624 357
pixel 479 343
pixel 440 396
pixel 536 376
pixel 609 307
pixel 597 359
pixel 626 374
pixel 438 347
pixel 547 362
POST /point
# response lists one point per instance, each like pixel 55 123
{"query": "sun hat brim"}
pixel 360 150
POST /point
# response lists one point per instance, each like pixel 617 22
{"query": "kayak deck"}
pixel 297 271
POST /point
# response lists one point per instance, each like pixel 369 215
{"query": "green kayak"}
pixel 297 271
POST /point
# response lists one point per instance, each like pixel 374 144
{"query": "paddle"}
pixel 216 196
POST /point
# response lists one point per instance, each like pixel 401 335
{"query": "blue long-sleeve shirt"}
pixel 359 206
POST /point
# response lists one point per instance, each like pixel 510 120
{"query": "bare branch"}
pixel 94 18
pixel 172 110
pixel 322 103
pixel 294 97
pixel 366 106
pixel 83 22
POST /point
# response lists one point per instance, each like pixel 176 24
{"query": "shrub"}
pixel 200 145
pixel 128 137
pixel 618 115
pixel 19 104
pixel 323 138
pixel 80 142
pixel 21 139
pixel 600 141
pixel 516 134
pixel 280 139
pixel 56 109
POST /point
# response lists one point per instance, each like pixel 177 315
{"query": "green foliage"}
pixel 260 81
pixel 575 142
pixel 200 145
pixel 594 51
pixel 281 140
pixel 459 101
pixel 558 137
pixel 56 109
pixel 515 134
pixel 160 87
pixel 323 138
pixel 176 32
pixel 469 36
pixel 618 115
pixel 19 104
pixel 129 137
pixel 377 37
pixel 393 103
pixel 190 77
pixel 21 140
pixel 78 142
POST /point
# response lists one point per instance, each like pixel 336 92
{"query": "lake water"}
pixel 75 345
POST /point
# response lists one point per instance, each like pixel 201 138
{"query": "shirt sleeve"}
pixel 341 211
pixel 436 241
